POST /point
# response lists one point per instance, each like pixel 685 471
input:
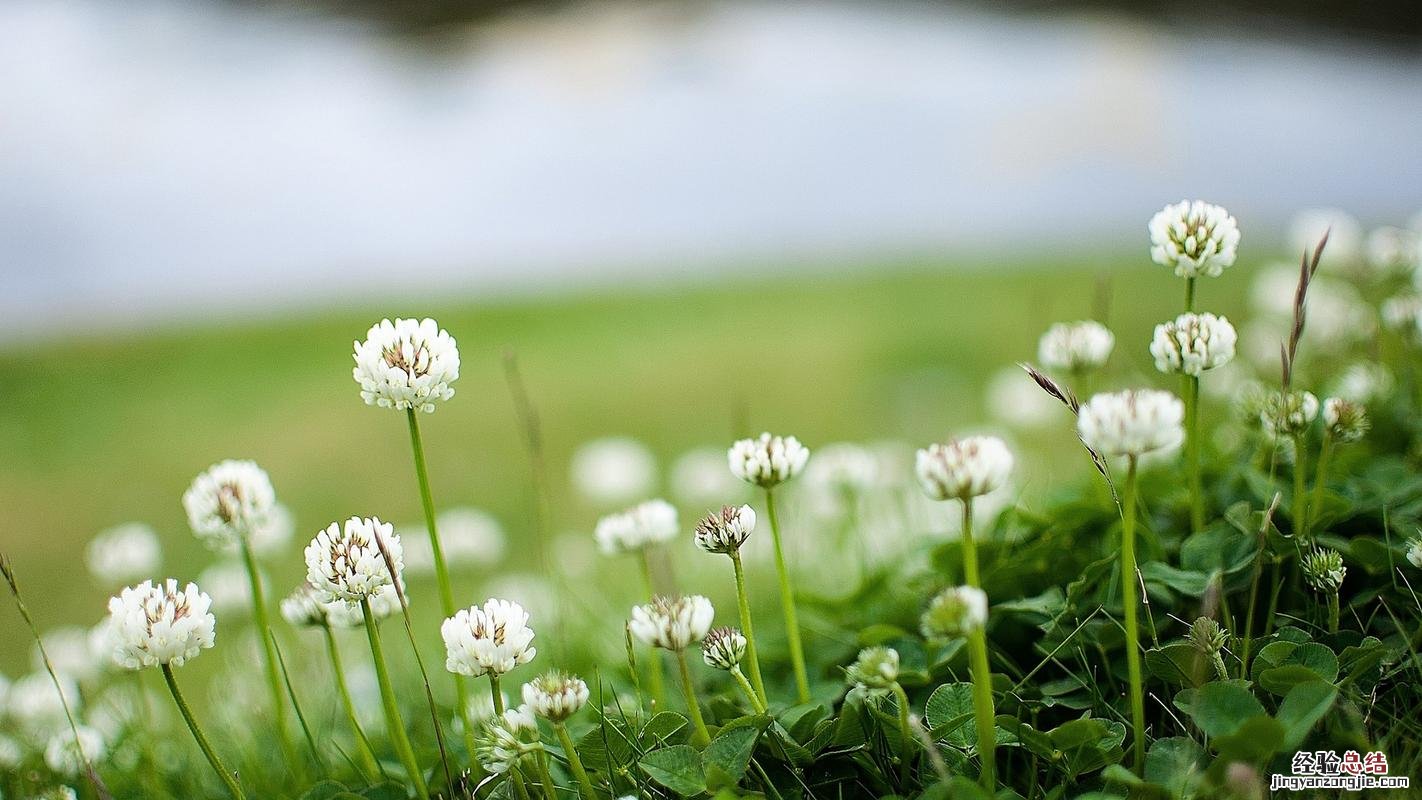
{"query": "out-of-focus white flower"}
pixel 11 753
pixel 345 562
pixel 723 648
pixel 842 468
pixel 125 552
pixel 1363 382
pixel 506 739
pixel 1403 313
pixel 955 611
pixel 228 585
pixel 271 536
pixel 468 537
pixel 613 470
pixel 229 501
pixel 70 652
pixel 487 640
pixel 1414 551
pixel 1015 399
pixel 1076 347
pixel 1337 314
pixel 1132 422
pixel 672 623
pixel 875 670
pixel 4 692
pixel 63 752
pixel 768 460
pixel 1288 414
pixel 555 695
pixel 652 522
pixel 699 479
pixel 305 607
pixel 37 706
pixel 1345 420
pixel 538 595
pixel 1323 570
pixel 480 707
pixel 726 530
pixel 1345 235
pixel 384 603
pixel 963 468
pixel 121 708
pixel 406 364
pixel 1192 343
pixel 1394 250
pixel 156 625
pixel 1194 239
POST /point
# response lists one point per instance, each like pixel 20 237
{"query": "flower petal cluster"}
pixel 768 460
pixel 406 364
pixel 644 524
pixel 555 695
pixel 726 530
pixel 1414 551
pixel 125 552
pixel 506 739
pixel 345 562
pixel 876 669
pixel 672 623
pixel 228 502
pixel 1193 343
pixel 723 648
pixel 613 471
pixel 160 624
pixel 963 468
pixel 1345 420
pixel 1076 347
pixel 1288 414
pixel 1131 423
pixel 305 607
pixel 490 639
pixel 1323 570
pixel 68 754
pixel 955 611
pixel 1195 239
pixel 1207 636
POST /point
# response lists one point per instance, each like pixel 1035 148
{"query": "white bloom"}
pixel 652 522
pixel 699 479
pixel 304 607
pixel 1131 423
pixel 1075 346
pixel 1363 382
pixel 955 611
pixel 1345 235
pixel 1323 570
pixel 125 552
pixel 963 468
pixel 37 706
pixel 1015 399
pixel 505 739
pixel 555 696
pixel 480 707
pixel 876 669
pixel 614 470
pixel 271 536
pixel 1414 551
pixel 1394 250
pixel 672 623
pixel 1403 313
pixel 842 468
pixel 488 640
pixel 228 586
pixel 468 538
pixel 1288 414
pixel 1345 420
pixel 767 461
pixel 407 364
pixel 62 753
pixel 346 563
pixel 1193 238
pixel 11 753
pixel 229 501
pixel 1193 343
pixel 71 653
pixel 726 530
pixel 1336 312
pixel 160 625
pixel 384 603
pixel 723 648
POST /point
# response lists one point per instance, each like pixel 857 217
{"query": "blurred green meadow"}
pixel 102 430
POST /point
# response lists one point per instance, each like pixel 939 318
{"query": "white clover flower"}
pixel 963 468
pixel 506 739
pixel 1363 382
pixel 1288 414
pixel 469 538
pixel 955 611
pixel 58 793
pixel 406 364
pixel 71 653
pixel 4 693
pixel 699 479
pixel 1414 551
pixel 1393 250
pixel 487 640
pixel 12 755
pixel 1131 423
pixel 767 461
pixel 37 706
pixel 270 536
pixel 228 586
pixel 875 670
pixel 480 706
pixel 723 648
pixel 1345 420
pixel 1014 399
pixel 726 530
pixel 555 695
pixel 613 471
pixel 644 524
pixel 124 553
pixel 1337 313
pixel 1076 347
pixel 1345 234
pixel 842 468
pixel 1323 570
pixel 305 607
pixel 1193 343
pixel 1195 239
pixel 345 562
pixel 384 603
pixel 228 501
pixel 672 623
pixel 1403 313
pixel 158 625
pixel 63 752
pixel 121 708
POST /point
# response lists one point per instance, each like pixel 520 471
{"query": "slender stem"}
pixel 743 601
pixel 1320 478
pixel 264 628
pixel 496 693
pixel 222 771
pixel 585 786
pixel 787 604
pixel 656 679
pixel 545 778
pixel 970 547
pixel 520 789
pixel 1192 452
pixel 1129 601
pixel 700 735
pixel 902 697
pixel 1300 495
pixel 367 752
pixel 1333 612
pixel 1189 294
pixel 983 713
pixel 755 701
pixel 392 711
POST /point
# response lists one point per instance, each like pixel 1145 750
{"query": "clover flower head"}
pixel 67 753
pixel 1414 551
pixel 36 706
pixel 406 364
pixel 1131 423
pixel 1393 250
pixel 1288 414
pixel 271 536
pixel 1192 343
pixel 555 695
pixel 124 553
pixel 726 530
pixel 506 739
pixel 1403 313
pixel 1345 235
pixel 1076 347
pixel 305 607
pixel 955 611
pixel 160 624
pixel 1363 381
pixel 1345 420
pixel 613 471
pixel 345 562
pixel 1195 239
pixel 723 648
pixel 1207 636
pixel 875 670
pixel 12 755
pixel 672 623
pixel 963 468
pixel 642 525
pixel 843 467
pixel 228 585
pixel 490 639
pixel 384 603
pixel 768 460
pixel 230 500
pixel 71 651
pixel 1323 570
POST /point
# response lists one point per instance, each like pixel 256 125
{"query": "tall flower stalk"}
pixel 1344 421
pixel 674 624
pixel 393 723
pixel 1129 603
pixel 962 611
pixel 228 779
pixel 488 640
pixel 876 672
pixel 724 532
pixel 637 531
pixel 724 649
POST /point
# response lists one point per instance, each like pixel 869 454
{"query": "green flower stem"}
pixel 743 601
pixel 259 614
pixel 1189 294
pixel 903 732
pixel 1300 495
pixel 496 693
pixel 700 735
pixel 1129 602
pixel 585 786
pixel 755 701
pixel 545 778
pixel 519 788
pixel 222 771
pixel 393 722
pixel 367 753
pixel 1192 452
pixel 656 680
pixel 1333 612
pixel 1320 477
pixel 985 717
pixel 787 603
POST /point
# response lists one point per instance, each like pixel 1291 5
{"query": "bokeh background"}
pixel 688 221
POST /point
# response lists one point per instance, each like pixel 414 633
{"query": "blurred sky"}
pixel 167 159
